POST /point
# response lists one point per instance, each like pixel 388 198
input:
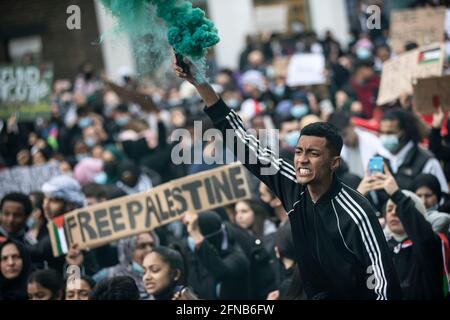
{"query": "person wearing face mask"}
pixel 427 188
pixel 289 135
pixel 131 252
pixel 300 106
pixel 291 139
pixel 419 254
pixel 86 82
pixel 122 116
pixel 233 98
pixel 84 122
pixel 90 137
pixel 131 179
pixel 400 138
pixel 279 90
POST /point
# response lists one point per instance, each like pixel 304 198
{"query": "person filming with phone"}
pixel 403 155
pixel 420 255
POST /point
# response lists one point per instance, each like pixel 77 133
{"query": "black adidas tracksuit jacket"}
pixel 341 249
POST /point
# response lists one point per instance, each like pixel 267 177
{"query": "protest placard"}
pixel 26 179
pixel 25 91
pixel 422 26
pixel 128 96
pixel 272 18
pixel 123 217
pixel 431 93
pixel 306 69
pixel 399 73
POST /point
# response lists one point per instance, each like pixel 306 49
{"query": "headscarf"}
pixel 126 266
pixel 65 188
pixel 16 289
pixel 429 181
pixel 86 170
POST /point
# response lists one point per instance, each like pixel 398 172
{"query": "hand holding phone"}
pixel 375 165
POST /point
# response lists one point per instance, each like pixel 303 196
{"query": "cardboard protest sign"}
pixel 119 218
pixel 431 93
pixel 25 91
pixel 399 73
pixel 306 69
pixel 272 18
pixel 26 179
pixel 422 26
pixel 128 96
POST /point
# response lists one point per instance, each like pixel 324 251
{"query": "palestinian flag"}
pixel 59 242
pixel 430 56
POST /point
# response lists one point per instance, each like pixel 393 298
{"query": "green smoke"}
pixel 190 32
pixel 164 22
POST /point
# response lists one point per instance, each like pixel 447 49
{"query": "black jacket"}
pixel 418 259
pixel 262 266
pixel 218 275
pixel 341 250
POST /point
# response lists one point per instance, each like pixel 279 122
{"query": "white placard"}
pixel 271 18
pixel 306 69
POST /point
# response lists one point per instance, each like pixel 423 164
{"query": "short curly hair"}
pixel 327 131
pixel 21 198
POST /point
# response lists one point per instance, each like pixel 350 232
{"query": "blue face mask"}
pixel 299 111
pixel 81 156
pixel 391 142
pixel 30 222
pixel 136 267
pixel 122 121
pixel 363 53
pixel 291 138
pixel 85 122
pixel 279 90
pixel 191 244
pixel 90 142
pixel 101 178
pixel 433 208
pixel 232 103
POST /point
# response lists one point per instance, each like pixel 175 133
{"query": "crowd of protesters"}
pixel 106 148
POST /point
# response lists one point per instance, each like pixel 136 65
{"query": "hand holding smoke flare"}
pixel 186 29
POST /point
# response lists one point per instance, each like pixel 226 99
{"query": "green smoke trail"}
pixel 190 32
pixel 185 28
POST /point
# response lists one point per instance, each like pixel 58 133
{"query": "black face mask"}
pixel 129 179
pixel 88 75
pixel 215 238
pixel 110 168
